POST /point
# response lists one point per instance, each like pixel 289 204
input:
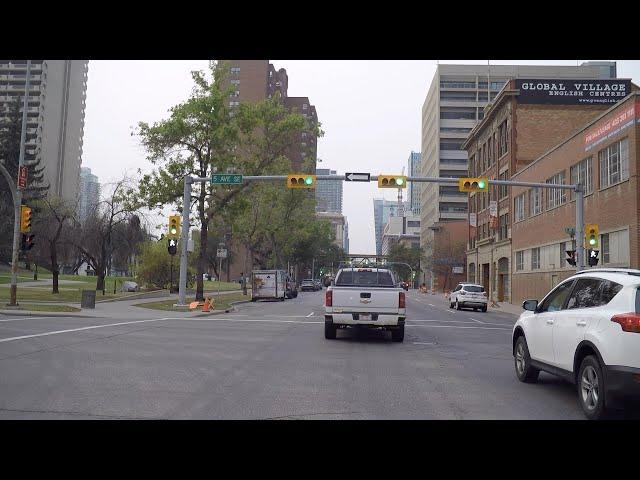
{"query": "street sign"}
pixel 22 177
pixel 357 177
pixel 221 253
pixel 226 179
pixel 458 270
pixel 493 208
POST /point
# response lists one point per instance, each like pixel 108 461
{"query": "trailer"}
pixel 268 284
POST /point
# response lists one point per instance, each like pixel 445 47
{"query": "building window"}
pixel 235 82
pixel 614 163
pixel 305 106
pixel 502 139
pixel 556 196
pixel 520 260
pixel 235 70
pixel 235 94
pixel 451 144
pixel 604 245
pixel 535 201
pixel 503 190
pixel 504 225
pixel 535 258
pixel 581 173
pixel 518 208
pixel 234 104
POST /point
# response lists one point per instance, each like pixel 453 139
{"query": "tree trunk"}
pixel 100 283
pixel 54 267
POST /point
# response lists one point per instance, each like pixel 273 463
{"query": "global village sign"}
pixel 572 92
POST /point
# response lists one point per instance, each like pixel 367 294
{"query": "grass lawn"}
pixel 222 302
pixel 44 294
pixel 223 286
pixel 38 307
pixel 6 279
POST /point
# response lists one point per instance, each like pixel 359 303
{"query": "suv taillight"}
pixel 630 322
pixel 401 300
pixel 328 298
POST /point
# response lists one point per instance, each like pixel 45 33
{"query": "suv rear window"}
pixel 609 290
pixel 472 288
pixel 369 278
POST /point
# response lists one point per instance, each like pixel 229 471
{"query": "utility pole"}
pixel 13 296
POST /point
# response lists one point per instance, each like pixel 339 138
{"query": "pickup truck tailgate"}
pixel 378 300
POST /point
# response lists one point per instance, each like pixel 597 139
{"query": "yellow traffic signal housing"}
pixel 392 181
pixel 591 236
pixel 25 219
pixel 479 184
pixel 174 226
pixel 301 180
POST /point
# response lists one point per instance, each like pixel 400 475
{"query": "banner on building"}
pixel 473 221
pixel 493 208
pixel 606 129
pixel 493 223
pixel 572 92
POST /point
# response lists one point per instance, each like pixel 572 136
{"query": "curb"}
pixel 31 313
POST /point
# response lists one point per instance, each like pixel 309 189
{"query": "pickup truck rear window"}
pixel 368 279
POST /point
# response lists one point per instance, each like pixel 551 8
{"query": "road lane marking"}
pixel 245 320
pixel 449 311
pixel 424 343
pixel 478 321
pixel 22 337
pixel 457 326
pixel 431 305
pixel 310 315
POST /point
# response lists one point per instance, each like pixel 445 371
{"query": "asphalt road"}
pixel 270 360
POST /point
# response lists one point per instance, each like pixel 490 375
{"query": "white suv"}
pixel 468 295
pixel 586 330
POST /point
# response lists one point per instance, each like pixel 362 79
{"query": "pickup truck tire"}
pixel 329 330
pixel 484 309
pixel 397 335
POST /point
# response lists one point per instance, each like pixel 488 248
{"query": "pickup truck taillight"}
pixel 328 298
pixel 630 322
pixel 401 300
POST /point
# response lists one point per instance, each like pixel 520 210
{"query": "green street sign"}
pixel 226 179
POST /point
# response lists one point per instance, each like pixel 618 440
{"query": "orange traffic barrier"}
pixel 205 307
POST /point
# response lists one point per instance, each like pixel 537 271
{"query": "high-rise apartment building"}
pixel 89 193
pixel 453 106
pixel 328 192
pixel 256 80
pixel 383 209
pixel 55 116
pixel 413 170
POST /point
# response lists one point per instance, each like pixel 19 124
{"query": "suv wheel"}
pixel 591 388
pixel 458 307
pixel 524 371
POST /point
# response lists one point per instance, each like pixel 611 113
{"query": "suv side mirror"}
pixel 531 305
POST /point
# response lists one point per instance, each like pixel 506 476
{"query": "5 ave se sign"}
pixel 357 177
pixel 226 179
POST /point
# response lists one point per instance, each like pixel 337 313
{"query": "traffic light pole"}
pixel 13 296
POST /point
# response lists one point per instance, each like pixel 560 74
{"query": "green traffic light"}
pixel 308 180
pixel 481 184
pixel 592 241
pixel 399 181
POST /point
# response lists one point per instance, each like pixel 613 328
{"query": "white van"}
pixel 269 284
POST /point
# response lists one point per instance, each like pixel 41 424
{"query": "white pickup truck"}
pixel 368 297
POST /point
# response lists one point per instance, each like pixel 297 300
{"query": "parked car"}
pixel 308 285
pixel 468 295
pixel 587 331
pixel 365 297
pixel 130 287
pixel 318 284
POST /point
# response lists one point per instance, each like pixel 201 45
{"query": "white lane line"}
pixel 310 315
pixel 477 321
pixel 457 326
pixel 424 343
pixel 449 311
pixel 245 320
pixel 81 329
pixel 25 318
pixel 431 305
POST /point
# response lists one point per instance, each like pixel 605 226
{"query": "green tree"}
pixel 414 257
pixel 154 269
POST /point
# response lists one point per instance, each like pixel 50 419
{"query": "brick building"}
pixel 526 119
pixel 603 156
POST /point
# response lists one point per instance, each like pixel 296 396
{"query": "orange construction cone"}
pixel 205 307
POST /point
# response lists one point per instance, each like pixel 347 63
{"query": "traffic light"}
pixel 301 180
pixel 593 257
pixel 25 219
pixel 174 225
pixel 480 184
pixel 392 181
pixel 29 243
pixel 591 236
pixel 571 259
pixel 172 246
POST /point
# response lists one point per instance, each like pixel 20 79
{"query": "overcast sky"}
pixel 370 112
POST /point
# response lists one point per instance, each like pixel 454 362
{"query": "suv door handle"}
pixel 550 321
pixel 581 323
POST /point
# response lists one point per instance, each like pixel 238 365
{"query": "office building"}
pixel 382 210
pixel 55 116
pixel 401 230
pixel 328 192
pixel 453 106
pixel 604 157
pixel 413 189
pixel 338 226
pixel 522 123
pixel 89 193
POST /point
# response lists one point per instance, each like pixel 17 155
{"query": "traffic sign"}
pixel 226 179
pixel 357 177
pixel 22 177
pixel 222 253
